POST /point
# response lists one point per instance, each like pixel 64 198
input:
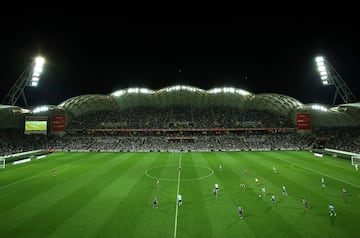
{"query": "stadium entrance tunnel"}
pixel 189 172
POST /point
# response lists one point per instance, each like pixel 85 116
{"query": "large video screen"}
pixel 36 125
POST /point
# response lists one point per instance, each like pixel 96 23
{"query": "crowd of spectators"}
pixel 339 138
pixel 14 141
pixel 180 117
pixel 103 141
pixel 171 137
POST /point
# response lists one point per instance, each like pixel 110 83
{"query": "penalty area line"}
pixel 318 172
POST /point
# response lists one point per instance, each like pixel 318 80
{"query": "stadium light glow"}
pixel 40 109
pixel 229 90
pixel 329 76
pixel 118 93
pixel 37 70
pixel 319 59
pixel 319 108
pixel 39 60
pixel 323 70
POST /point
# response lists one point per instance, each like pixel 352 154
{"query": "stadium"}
pixel 179 161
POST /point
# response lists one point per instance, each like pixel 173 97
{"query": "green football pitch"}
pixel 100 194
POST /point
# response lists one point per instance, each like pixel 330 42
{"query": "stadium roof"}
pixel 180 95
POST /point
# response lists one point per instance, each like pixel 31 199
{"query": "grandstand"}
pixel 185 118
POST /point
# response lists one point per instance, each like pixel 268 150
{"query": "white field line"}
pixel 177 193
pixel 317 172
pixel 41 173
pixel 23 180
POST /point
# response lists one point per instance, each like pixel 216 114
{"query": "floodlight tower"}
pixel 30 77
pixel 329 76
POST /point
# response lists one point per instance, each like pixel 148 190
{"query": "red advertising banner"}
pixel 303 121
pixel 58 122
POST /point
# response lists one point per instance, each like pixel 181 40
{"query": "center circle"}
pixel 172 172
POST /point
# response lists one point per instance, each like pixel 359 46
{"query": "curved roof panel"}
pixel 353 109
pixel 182 95
pixel 89 103
pixel 330 117
pixel 277 103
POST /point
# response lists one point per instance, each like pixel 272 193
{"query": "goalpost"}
pixel 355 160
pixel 2 163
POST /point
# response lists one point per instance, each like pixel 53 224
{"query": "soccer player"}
pixel 220 167
pixel 306 204
pixel 215 192
pixel 245 172
pixel 344 193
pixel 240 210
pixel 257 181
pixel 274 170
pixel 53 171
pixel 284 191
pixel 273 200
pixel 356 167
pixel 323 183
pixel 332 210
pixel 263 191
pixel 158 183
pixel 155 202
pixel 179 200
pixel 243 186
pixel 217 187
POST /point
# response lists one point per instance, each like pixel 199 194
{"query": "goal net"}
pixel 355 160
pixel 2 163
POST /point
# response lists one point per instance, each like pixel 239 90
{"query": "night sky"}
pixel 100 55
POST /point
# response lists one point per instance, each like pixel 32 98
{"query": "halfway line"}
pixel 177 193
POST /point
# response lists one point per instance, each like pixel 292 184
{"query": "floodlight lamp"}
pixel 321 63
pixel 215 90
pixel 35 79
pixel 319 59
pixel 145 91
pixel 39 60
pixel 40 109
pixel 229 90
pixel 321 68
pixel 242 92
pixel 37 69
pixel 34 83
pixel 118 93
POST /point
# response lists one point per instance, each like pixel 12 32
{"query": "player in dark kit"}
pixel 155 202
pixel 240 210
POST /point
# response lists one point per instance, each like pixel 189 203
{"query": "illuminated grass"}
pixel 110 195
